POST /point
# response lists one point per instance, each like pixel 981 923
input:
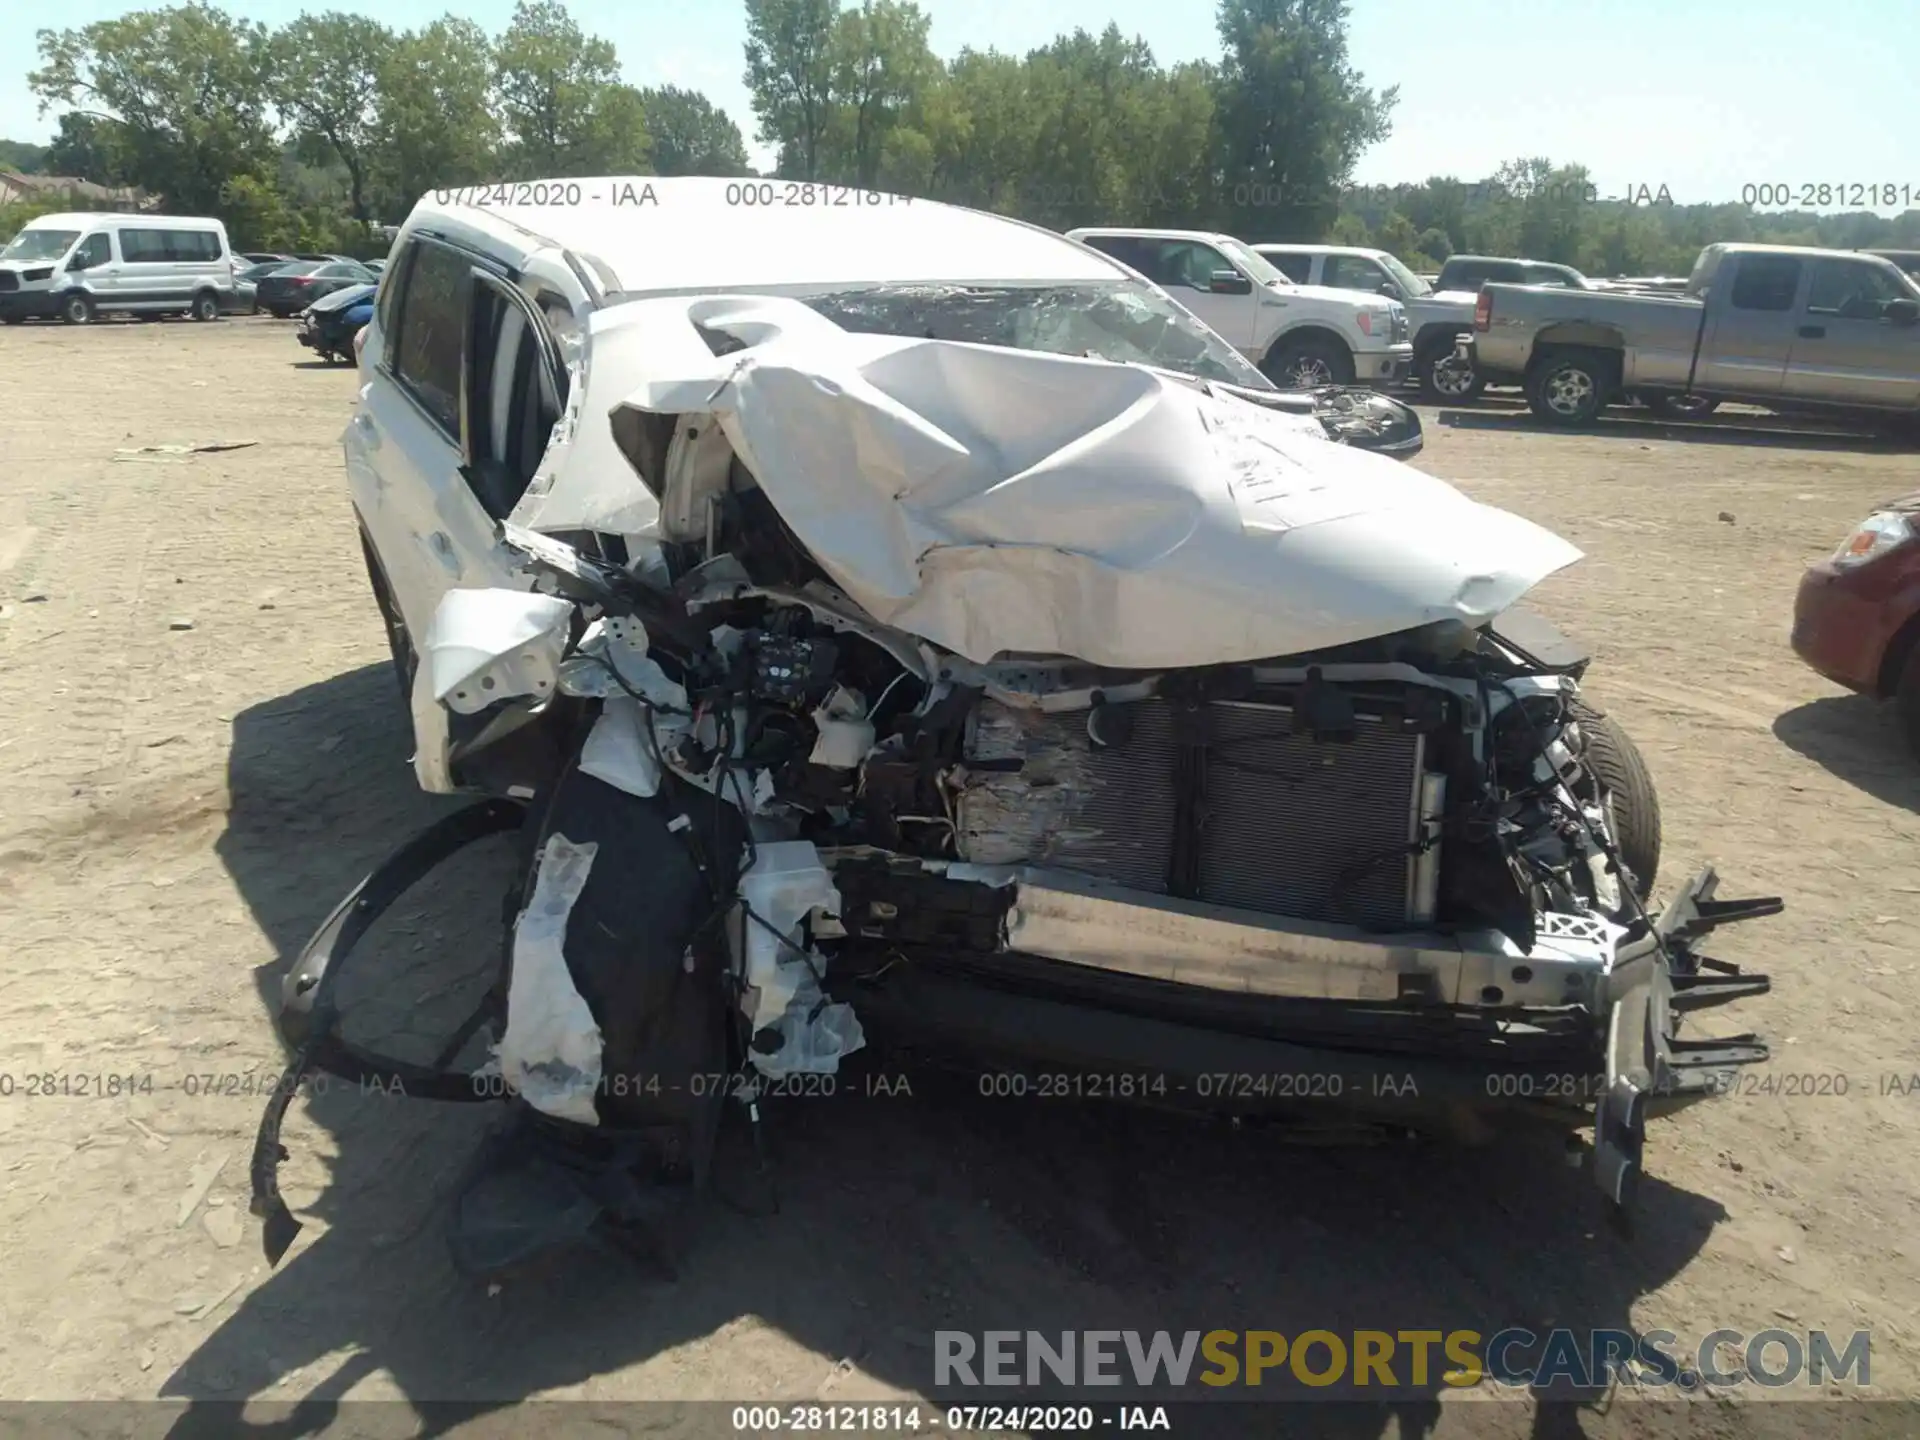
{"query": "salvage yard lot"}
pixel 204 749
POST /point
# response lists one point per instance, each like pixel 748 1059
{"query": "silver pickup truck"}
pixel 1786 327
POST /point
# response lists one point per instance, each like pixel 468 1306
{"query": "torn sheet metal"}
pixel 493 644
pixel 550 1053
pixel 784 884
pixel 994 500
pixel 612 659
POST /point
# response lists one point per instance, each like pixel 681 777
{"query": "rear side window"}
pixel 1766 282
pixel 168 247
pixel 1127 249
pixel 1296 268
pixel 143 246
pixel 430 332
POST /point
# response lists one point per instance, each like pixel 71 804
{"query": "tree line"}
pixel 299 136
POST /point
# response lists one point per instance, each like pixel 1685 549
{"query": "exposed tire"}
pixel 1617 763
pixel 1570 388
pixel 1308 362
pixel 1680 407
pixel 77 308
pixel 1445 379
pixel 399 643
pixel 206 306
pixel 1906 700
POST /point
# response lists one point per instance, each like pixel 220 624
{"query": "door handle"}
pixel 1813 332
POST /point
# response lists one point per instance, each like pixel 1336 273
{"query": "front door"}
pixel 1185 270
pixel 1845 350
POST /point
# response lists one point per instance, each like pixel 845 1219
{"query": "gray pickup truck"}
pixel 1787 327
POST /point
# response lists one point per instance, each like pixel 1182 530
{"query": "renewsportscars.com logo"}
pixel 1391 1359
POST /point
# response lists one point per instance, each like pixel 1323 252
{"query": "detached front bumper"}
pixel 1087 1032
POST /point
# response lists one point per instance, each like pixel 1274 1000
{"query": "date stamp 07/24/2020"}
pixel 640 194
pixel 23 1084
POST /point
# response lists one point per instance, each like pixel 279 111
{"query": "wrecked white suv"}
pixel 972 652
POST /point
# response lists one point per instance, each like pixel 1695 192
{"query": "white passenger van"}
pixel 79 266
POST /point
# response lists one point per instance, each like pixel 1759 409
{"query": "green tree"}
pixel 1294 115
pixel 790 63
pixel 879 66
pixel 326 82
pixel 1395 234
pixel 1433 246
pixel 90 148
pixel 21 157
pixel 184 90
pixel 692 136
pixel 434 124
pixel 565 108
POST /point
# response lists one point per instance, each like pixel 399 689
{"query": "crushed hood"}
pixel 1000 501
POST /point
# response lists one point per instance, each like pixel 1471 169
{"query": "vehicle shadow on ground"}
pixel 1858 739
pixel 890 1216
pixel 1716 430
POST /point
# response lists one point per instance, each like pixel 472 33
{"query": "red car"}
pixel 1857 617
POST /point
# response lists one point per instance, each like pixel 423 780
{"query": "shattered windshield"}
pixel 1128 322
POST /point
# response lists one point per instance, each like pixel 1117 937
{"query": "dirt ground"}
pixel 203 750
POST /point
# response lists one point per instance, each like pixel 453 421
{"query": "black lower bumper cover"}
pixel 308 1016
pixel 1649 1069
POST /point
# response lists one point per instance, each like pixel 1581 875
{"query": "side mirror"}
pixel 1390 290
pixel 78 262
pixel 1229 282
pixel 1902 311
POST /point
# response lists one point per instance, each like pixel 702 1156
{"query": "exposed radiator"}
pixel 1285 826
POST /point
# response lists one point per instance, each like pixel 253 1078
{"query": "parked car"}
pixel 955 557
pixel 1907 260
pixel 78 266
pixel 1857 617
pixel 377 266
pixel 1299 335
pixel 320 257
pixel 243 299
pixel 330 323
pixel 1435 319
pixel 262 257
pixel 1819 330
pixel 290 289
pixel 1470 272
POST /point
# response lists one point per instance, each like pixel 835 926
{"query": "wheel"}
pixel 77 308
pixel 1906 700
pixel 1633 803
pixel 1448 379
pixel 1569 388
pixel 1680 407
pixel 206 306
pixel 1308 363
pixel 405 661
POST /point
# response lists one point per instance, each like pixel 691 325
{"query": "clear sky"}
pixel 1703 97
